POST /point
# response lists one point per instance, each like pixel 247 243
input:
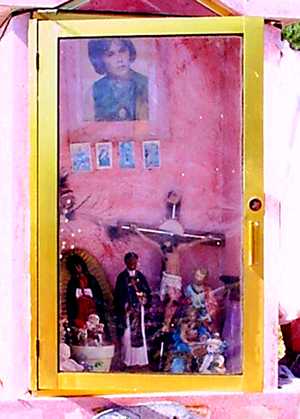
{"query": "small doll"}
pixel 65 361
pixel 95 330
pixel 180 356
pixel 189 342
pixel 202 298
pixel 214 361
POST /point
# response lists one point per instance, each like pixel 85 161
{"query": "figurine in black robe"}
pixel 131 296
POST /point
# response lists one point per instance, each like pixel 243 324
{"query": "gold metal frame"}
pixel 44 34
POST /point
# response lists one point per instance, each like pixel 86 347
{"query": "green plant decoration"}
pixel 291 33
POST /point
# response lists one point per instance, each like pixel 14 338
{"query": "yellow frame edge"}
pixel 239 383
pixel 217 7
pixel 253 187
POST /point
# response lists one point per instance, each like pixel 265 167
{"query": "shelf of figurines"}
pixel 173 330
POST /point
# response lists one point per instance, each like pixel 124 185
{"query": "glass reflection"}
pixel 150 247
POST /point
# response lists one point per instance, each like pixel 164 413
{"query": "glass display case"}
pixel 148 220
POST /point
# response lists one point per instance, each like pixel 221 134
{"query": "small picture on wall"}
pixel 81 157
pixel 104 155
pixel 151 154
pixel 126 151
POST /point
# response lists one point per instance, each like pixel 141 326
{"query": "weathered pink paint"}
pixel 178 7
pixel 207 406
pixel 282 69
pixel 266 8
pixel 199 125
pixel 14 220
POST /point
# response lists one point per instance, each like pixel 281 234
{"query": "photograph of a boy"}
pixel 121 94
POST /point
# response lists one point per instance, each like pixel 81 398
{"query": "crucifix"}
pixel 171 229
pixel 170 239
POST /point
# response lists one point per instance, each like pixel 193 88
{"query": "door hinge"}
pixel 37 61
pixel 37 343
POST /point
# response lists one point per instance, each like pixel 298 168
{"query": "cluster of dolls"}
pixel 175 330
pixel 188 340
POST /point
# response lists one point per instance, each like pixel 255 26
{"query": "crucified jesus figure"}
pixel 171 280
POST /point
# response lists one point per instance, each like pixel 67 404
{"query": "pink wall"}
pixel 281 180
pixel 177 7
pixel 14 220
pixel 195 113
pixel 233 406
pixel 266 8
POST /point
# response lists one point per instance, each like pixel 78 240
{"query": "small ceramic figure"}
pixel 65 361
pixel 95 329
pixel 189 342
pixel 131 296
pixel 202 298
pixel 214 362
pixel 84 294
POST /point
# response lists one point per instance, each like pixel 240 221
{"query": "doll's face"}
pixel 173 198
pixel 94 319
pixel 214 346
pixel 189 331
pixel 131 264
pixel 192 333
pixel 78 268
pixel 192 314
pixel 199 277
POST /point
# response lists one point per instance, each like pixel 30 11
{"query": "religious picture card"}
pixel 81 157
pixel 104 155
pixel 151 154
pixel 126 152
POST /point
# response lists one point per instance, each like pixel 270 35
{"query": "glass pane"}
pixel 150 204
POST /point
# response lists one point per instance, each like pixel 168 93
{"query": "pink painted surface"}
pixel 178 7
pixel 14 220
pixel 233 406
pixel 280 162
pixel 266 8
pixel 197 86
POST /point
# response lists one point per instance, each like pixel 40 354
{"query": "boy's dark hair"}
pixel 98 47
pixel 129 256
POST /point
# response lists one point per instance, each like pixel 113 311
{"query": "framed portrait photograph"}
pixel 126 153
pixel 104 155
pixel 151 154
pixel 120 93
pixel 80 154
